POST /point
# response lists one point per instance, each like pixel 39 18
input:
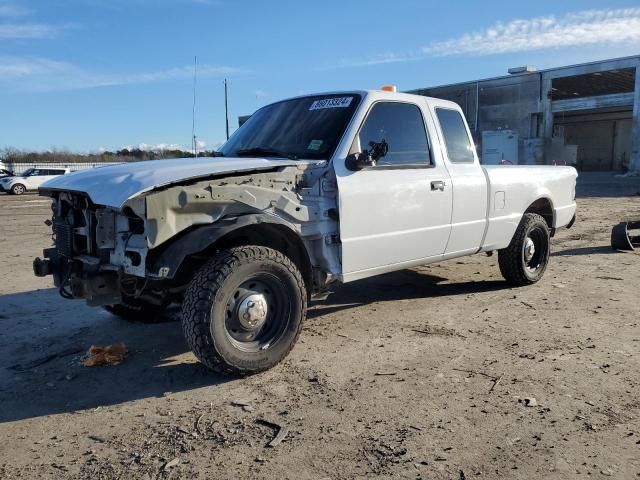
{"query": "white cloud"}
pixel 22 31
pixel 9 9
pixel 591 27
pixel 611 26
pixel 41 74
pixel 383 59
pixel 13 27
pixel 15 68
pixel 159 147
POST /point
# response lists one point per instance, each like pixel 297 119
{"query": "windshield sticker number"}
pixel 342 102
pixel 314 145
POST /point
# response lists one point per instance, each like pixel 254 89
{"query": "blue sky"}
pixel 92 74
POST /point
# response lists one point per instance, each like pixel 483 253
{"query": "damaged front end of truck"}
pixel 149 247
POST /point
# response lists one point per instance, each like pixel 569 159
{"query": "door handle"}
pixel 438 185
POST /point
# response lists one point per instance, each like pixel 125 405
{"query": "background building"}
pixel 587 115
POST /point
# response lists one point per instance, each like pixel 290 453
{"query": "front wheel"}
pixel 243 311
pixel 18 189
pixel 526 258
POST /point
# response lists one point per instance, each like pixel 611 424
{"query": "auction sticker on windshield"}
pixel 341 102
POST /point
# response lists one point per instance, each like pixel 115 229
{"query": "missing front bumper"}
pixel 80 278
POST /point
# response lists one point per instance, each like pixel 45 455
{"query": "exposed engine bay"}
pixel 103 253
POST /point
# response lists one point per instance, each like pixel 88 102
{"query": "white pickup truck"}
pixel 309 192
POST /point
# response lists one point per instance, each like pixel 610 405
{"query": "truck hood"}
pixel 113 185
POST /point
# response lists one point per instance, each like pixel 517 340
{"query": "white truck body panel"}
pixel 514 188
pixel 390 219
pixel 469 185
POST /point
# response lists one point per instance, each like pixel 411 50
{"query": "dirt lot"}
pixel 416 374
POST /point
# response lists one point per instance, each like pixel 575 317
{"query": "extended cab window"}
pixel 459 148
pixel 400 125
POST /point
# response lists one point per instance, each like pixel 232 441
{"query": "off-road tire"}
pixel 136 310
pixel 18 189
pixel 204 310
pixel 513 265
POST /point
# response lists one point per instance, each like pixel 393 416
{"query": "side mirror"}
pixel 367 158
pixel 358 161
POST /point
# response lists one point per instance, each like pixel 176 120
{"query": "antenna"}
pixel 226 107
pixel 194 144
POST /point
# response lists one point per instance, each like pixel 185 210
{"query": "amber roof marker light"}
pixel 389 88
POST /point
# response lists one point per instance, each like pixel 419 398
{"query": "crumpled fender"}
pixel 166 265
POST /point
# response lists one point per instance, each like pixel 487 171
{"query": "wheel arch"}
pixel 543 206
pixel 278 236
pixel 187 252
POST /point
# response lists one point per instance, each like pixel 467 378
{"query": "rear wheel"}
pixel 526 258
pixel 243 311
pixel 18 189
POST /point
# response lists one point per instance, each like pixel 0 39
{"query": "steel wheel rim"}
pixel 265 323
pixel 534 250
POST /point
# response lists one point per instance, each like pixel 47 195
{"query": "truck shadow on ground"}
pixel 402 285
pixel 38 324
pixel 571 252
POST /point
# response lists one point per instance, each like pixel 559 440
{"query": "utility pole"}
pixel 226 107
pixel 194 145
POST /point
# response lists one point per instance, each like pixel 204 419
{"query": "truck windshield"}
pixel 308 127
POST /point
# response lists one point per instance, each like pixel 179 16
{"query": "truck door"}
pixel 469 216
pixel 399 211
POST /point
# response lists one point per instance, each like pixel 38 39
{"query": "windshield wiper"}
pixel 265 152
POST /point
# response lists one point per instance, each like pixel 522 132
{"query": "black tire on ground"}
pixel 134 309
pixel 526 258
pixel 243 311
pixel 18 189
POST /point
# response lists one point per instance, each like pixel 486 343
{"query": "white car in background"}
pixel 30 179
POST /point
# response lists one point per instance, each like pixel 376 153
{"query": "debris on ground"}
pixel 282 431
pixel 170 464
pixel 530 402
pixel 626 236
pixel 111 354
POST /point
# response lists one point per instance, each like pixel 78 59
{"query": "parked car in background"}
pixel 30 179
pixel 5 173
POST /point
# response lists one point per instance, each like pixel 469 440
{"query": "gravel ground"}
pixel 423 373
